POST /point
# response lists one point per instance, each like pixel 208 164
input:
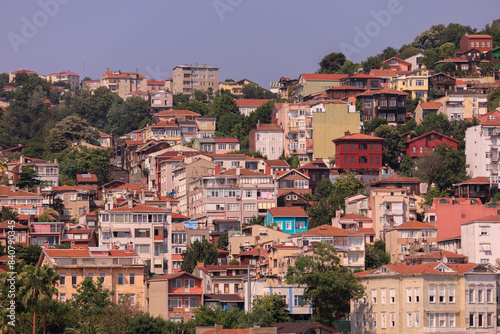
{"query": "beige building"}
pixel 121 271
pixel 464 104
pixel 432 297
pixel 188 78
pixel 76 200
pixel 409 239
pixel 66 77
pixel 310 83
pixel 255 236
pixel 124 83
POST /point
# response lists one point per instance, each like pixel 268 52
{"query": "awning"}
pixel 105 229
pixel 121 229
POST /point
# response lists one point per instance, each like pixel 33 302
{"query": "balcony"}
pixel 494 158
pixel 293 129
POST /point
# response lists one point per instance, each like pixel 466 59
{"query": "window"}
pixel 216 288
pixel 102 277
pixel 432 294
pixel 392 295
pixel 479 296
pixel 73 279
pixel 374 320
pixel 131 279
pixel 393 319
pixel 236 287
pixel 374 296
pixel 62 281
pixel 417 295
pixel 72 197
pixel 408 295
pixel 442 320
pixel 132 299
pixel 142 249
pixel 489 319
pixel 120 279
pixel 488 296
pixel 417 319
pixel 408 317
pixel 62 297
pixel 442 293
pixel 192 302
pixel 480 320
pixel 451 320
pixel 451 294
pixel 298 300
pixel 383 320
pixel 176 283
pixel 91 275
pixel 471 295
pixel 175 302
pixel 189 283
pixel 432 320
pixel 471 320
pixel 382 296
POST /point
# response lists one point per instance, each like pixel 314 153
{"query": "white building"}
pixel 479 239
pixel 481 150
pixel 268 139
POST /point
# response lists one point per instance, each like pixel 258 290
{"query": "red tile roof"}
pixel 399 59
pixel 383 91
pixel 226 140
pixel 251 102
pixel 460 83
pixel 414 225
pixel 126 186
pixel 323 77
pixel 276 163
pixel 364 76
pixel 84 178
pixel 124 75
pixel 69 188
pixel 431 105
pixel 453 60
pixel 438 255
pixel 345 87
pixel 328 230
pixel 475 180
pixel 176 112
pixel 429 133
pixel 493 122
pixel 17 226
pixel 355 217
pixel 268 127
pixel 358 136
pixel 494 218
pixel 294 211
pixel 478 36
pixel 384 73
pixel 179 216
pixel 397 179
pixel 138 208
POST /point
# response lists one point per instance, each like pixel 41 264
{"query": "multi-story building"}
pixel 433 297
pixel 268 139
pixel 365 81
pixel 309 83
pixel 359 153
pixel 70 78
pixel 254 236
pixel 91 85
pixel 290 220
pixel 477 187
pixel 188 78
pixel 76 199
pixel 236 193
pixel 357 223
pixel 493 56
pixel 292 180
pixel 161 100
pixel 25 203
pixel 410 238
pixel 175 296
pixel 145 228
pixel 175 116
pixel 20 234
pixel 45 233
pixel 331 119
pixel 350 244
pixel 411 184
pixel 442 82
pixel 483 43
pixel 124 83
pixel 121 271
pixel 316 170
pixel 464 104
pixel 248 106
pixel 479 238
pixel 47 172
pixel 481 150
pixel 417 86
pixel 12 75
pixel 226 145
pixel 235 87
pixel 428 143
pixel 385 103
pixel 206 127
pixel 281 256
pixel 397 64
pixel 425 108
pixel 155 86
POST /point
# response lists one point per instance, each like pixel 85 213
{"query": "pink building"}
pixel 226 145
pixel 161 100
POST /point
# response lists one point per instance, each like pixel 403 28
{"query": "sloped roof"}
pixel 358 136
pixel 243 171
pixel 276 163
pixel 475 180
pixel 323 77
pixel 86 177
pixel 176 112
pixel 294 211
pixel 383 91
pixel 397 179
pixel 429 133
pixel 251 102
pixel 138 208
pixel 327 230
pixel 414 225
pixel 431 105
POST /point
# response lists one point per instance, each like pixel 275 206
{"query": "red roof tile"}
pixel 268 127
pixel 414 225
pixel 251 102
pixel 293 211
pixel 179 216
pixel 475 180
pixel 383 91
pixel 397 179
pixel 399 59
pixel 86 178
pixel 431 105
pixel 323 77
pixel 358 136
pixel 226 140
pixel 138 208
pixel 176 112
pixel 17 226
pixel 69 188
pixel 243 171
pixel 126 186
pixel 276 163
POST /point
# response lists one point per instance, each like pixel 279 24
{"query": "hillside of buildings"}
pixel 362 198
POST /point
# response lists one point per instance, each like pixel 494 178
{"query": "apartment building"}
pixel 124 83
pixel 397 64
pixel 433 297
pixel 479 238
pixel 146 228
pixel 66 77
pixel 483 43
pixel 77 200
pixel 206 127
pixel 410 238
pixel 12 75
pixel 481 150
pixel 121 271
pixel 188 78
pixel 254 236
pixel 237 193
pixel 268 139
pixel 183 234
pixel 24 202
pixel 161 100
pixel 226 145
pixel 464 105
pixel 350 244
pixel 248 106
pixel 20 234
pixel 309 83
pixel 389 104
pixel 47 172
pixel 415 84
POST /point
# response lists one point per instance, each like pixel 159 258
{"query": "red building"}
pixel 428 143
pixel 483 43
pixel 359 153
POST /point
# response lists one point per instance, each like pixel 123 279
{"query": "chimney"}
pixel 218 327
pixel 113 246
pixel 196 64
pixel 408 137
pixel 136 71
pixel 130 203
pixel 217 170
pixel 12 188
pixel 130 246
pixel 46 245
pixel 21 159
pixel 72 245
pixel 200 264
pixel 347 133
pixel 107 70
pixel 268 170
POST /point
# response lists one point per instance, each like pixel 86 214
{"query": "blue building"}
pixel 289 219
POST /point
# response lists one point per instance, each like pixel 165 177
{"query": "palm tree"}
pixel 37 285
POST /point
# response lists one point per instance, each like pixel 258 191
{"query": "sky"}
pixel 260 40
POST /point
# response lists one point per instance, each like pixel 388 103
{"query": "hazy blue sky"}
pixel 254 39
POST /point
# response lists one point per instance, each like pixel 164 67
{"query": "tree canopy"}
pixel 199 251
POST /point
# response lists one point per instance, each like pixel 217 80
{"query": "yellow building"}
pixel 331 120
pixel 121 271
pixel 163 130
pixel 415 84
pixel 66 77
pixel 433 297
pixel 235 87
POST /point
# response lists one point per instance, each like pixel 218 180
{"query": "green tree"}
pixel 180 98
pixel 407 166
pixel 447 50
pixel 349 68
pixel 193 105
pixel 269 309
pixel 445 68
pixel 427 166
pixel 37 285
pixel 8 213
pixel 332 62
pixel 49 215
pixel 393 145
pixel 370 127
pixel 429 39
pixel 372 62
pixel 486 69
pixel 79 160
pixel 230 319
pixel 30 255
pixel 411 104
pixel 70 130
pixel 200 95
pixel 223 105
pixel 344 186
pixel 376 256
pixel 198 251
pixel 223 241
pixel 329 286
pixel 262 114
pixel 28 178
pixel 433 192
pixel 254 91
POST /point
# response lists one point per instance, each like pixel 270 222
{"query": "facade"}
pixel 76 200
pixel 331 119
pixel 411 184
pixel 188 78
pixel 481 150
pixel 235 87
pixel 174 297
pixel 442 82
pixel 47 172
pixel 248 106
pixel 425 108
pixel 145 228
pixel 70 78
pixel 417 86
pixel 206 127
pixel 316 171
pixel 290 220
pixel 478 187
pixel 365 81
pixel 155 86
pixel 359 153
pixel 397 64
pixel 410 238
pixel 124 83
pixel 385 103
pixel 226 145
pixel 479 238
pixel 493 56
pixel 255 236
pixel 161 100
pixel 12 75
pixel 432 297
pixel 309 83
pixel 268 139
pixel 428 143
pixel 483 43
pixel 464 104
pixel 20 234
